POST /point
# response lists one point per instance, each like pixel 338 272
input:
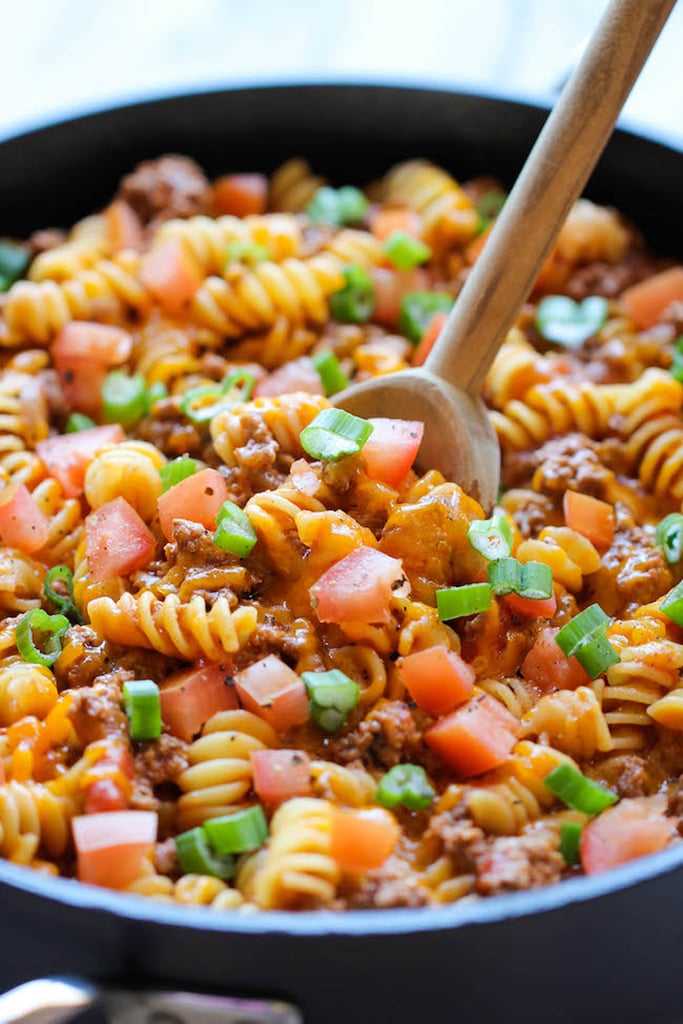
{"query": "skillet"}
pixel 604 948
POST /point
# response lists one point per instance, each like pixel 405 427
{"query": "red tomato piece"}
pixel 67 456
pixel 22 524
pixel 83 353
pixel 429 338
pixel 540 608
pixel 272 690
pixel 240 194
pixel 647 300
pixel 189 699
pixel 171 273
pixel 117 541
pixel 437 679
pixel 111 846
pixel 359 587
pixel 104 795
pixel 631 829
pixel 362 840
pixel 299 375
pixel 384 221
pixel 590 517
pixel 390 286
pixel 391 448
pixel 546 667
pixel 281 774
pixel 475 738
pixel 197 498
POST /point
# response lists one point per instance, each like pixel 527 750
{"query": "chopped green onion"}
pixel 332 695
pixel 454 602
pixel 577 791
pixel 124 398
pixel 337 206
pixel 155 393
pixel 492 538
pixel 331 374
pixel 77 421
pixel 505 576
pixel 591 622
pixel 234 531
pixel 669 536
pixel 64 604
pixel 173 472
pixel 239 832
pixel 569 323
pixel 355 302
pixel 536 582
pixel 405 251
pixel 405 784
pixel 417 310
pixel 570 841
pixel 195 856
pixel 676 368
pixel 143 707
pixel 14 261
pixel 38 636
pixel 672 605
pixel 248 252
pixel 596 655
pixel 333 434
pixel 490 204
pixel 202 404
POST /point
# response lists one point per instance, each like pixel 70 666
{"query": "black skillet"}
pixel 605 948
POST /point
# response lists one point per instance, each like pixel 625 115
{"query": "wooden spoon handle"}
pixel 553 177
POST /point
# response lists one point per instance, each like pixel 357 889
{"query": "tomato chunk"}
pixel 67 456
pixel 647 300
pixel 22 524
pixel 272 690
pixel 391 448
pixel 631 829
pixel 240 194
pixel 359 587
pixel 546 667
pixel 117 541
pixel 83 353
pixel 590 517
pixel 111 846
pixel 437 679
pixel 197 498
pixel 189 699
pixel 362 840
pixel 533 607
pixel 429 338
pixel 171 273
pixel 475 738
pixel 281 774
pixel 390 286
pixel 384 221
pixel 299 375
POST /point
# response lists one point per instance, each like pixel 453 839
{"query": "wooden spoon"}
pixel 459 439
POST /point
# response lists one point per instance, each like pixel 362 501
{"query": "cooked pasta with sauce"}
pixel 250 658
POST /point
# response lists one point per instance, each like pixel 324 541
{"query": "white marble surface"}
pixel 61 56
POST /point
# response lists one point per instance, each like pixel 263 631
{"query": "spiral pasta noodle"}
pixel 293 185
pixel 32 819
pixel 127 470
pixel 209 239
pixel 447 212
pixel 283 417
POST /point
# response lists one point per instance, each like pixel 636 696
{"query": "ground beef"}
pixel 165 858
pixel 84 658
pixel 157 763
pixel 260 458
pixel 571 463
pixel 393 885
pixel 171 186
pixel 461 839
pixel 387 735
pixel 609 279
pixel 46 239
pixel 168 431
pixel 97 711
pixel 293 640
pixel 514 863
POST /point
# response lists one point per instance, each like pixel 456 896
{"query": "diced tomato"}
pixel 437 679
pixel 189 699
pixel 299 375
pixel 590 517
pixel 67 456
pixel 539 608
pixel 125 227
pixel 385 220
pixel 390 286
pixel 272 690
pixel 240 194
pixel 390 450
pixel 104 795
pixel 546 667
pixel 83 353
pixel 117 541
pixel 171 273
pixel 197 498
pixel 475 248
pixel 475 738
pixel 630 829
pixel 111 846
pixel 429 338
pixel 647 300
pixel 362 840
pixel 304 477
pixel 22 524
pixel 281 774
pixel 359 587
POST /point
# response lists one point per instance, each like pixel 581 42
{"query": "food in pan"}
pixel 249 658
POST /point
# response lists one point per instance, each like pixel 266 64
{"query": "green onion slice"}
pixel 569 323
pixel 591 622
pixel 405 784
pixel 124 398
pixel 179 469
pixel 405 251
pixel 669 536
pixel 64 604
pixel 470 599
pixel 142 704
pixel 505 576
pixel 417 310
pixel 196 857
pixel 490 204
pixel 202 404
pixel 248 252
pixel 492 538
pixel 234 531
pixel 676 368
pixel 577 791
pixel 239 832
pixel 536 582
pixel 39 636
pixel 354 303
pixel 570 841
pixel 155 393
pixel 672 605
pixel 331 374
pixel 337 206
pixel 332 697
pixel 78 421
pixel 14 262
pixel 333 434
pixel 596 655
